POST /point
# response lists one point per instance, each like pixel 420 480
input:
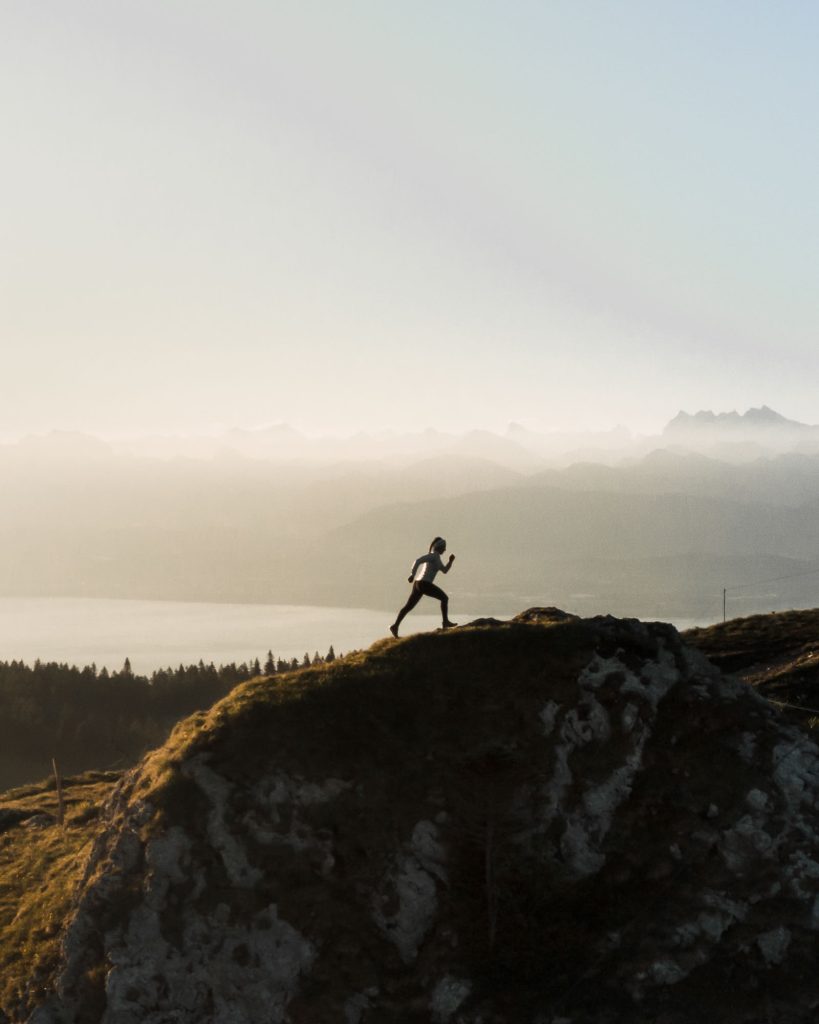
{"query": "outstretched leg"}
pixel 415 596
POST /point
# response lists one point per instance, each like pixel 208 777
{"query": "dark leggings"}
pixel 419 589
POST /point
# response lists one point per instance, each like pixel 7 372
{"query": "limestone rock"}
pixel 549 819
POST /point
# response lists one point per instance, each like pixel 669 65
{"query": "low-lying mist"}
pixel 654 527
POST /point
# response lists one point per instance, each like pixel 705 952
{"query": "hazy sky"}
pixel 456 213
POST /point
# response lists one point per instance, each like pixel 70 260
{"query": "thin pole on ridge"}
pixel 58 786
pixel 759 583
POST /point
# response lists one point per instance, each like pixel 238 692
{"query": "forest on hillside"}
pixel 89 719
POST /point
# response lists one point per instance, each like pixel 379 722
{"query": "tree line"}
pixel 96 719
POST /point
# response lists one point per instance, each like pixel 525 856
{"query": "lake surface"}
pixel 156 634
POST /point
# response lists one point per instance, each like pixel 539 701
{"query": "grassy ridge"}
pixel 777 654
pixel 376 702
pixel 40 865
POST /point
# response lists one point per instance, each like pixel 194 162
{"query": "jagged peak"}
pixel 752 418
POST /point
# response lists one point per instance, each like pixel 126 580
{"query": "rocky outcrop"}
pixel 777 654
pixel 539 821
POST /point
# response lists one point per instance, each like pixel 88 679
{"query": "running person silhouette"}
pixel 427 567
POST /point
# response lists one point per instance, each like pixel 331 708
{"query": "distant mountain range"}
pixel 659 537
pixel 729 436
pixel 642 526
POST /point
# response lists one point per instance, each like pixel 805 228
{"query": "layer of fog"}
pixel 648 526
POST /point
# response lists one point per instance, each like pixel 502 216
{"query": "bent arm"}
pixel 415 564
pixel 448 566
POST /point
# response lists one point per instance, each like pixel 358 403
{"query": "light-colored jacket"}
pixel 427 567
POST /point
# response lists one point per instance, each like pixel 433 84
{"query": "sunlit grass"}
pixel 40 865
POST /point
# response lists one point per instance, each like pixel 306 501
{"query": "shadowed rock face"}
pixel 549 819
pixel 777 654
